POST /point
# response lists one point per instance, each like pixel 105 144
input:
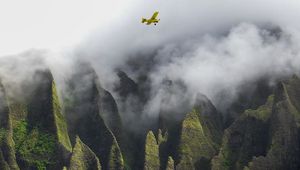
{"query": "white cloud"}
pixel 51 24
pixel 223 64
pixel 200 42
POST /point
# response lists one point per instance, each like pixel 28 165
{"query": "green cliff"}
pixel 193 141
pixel 38 130
pixel 265 138
pixel 84 114
pixel 170 164
pixel 283 150
pixel 83 158
pixel 196 147
pixel 7 150
pixel 115 157
pixel 245 138
pixel 151 152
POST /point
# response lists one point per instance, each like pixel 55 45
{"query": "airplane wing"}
pixel 154 15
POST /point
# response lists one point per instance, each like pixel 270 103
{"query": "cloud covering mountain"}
pixel 212 47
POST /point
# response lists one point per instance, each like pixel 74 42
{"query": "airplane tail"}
pixel 144 20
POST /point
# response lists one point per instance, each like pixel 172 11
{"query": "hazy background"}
pixel 211 46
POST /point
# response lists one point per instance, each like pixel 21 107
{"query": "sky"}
pixel 212 46
pixel 52 24
pixel 59 24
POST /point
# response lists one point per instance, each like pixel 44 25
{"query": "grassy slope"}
pixel 245 138
pixel 83 157
pixel 151 152
pixel 196 147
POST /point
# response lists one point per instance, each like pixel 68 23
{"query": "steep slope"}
pixel 115 157
pixel 83 112
pixel 35 135
pixel 151 152
pixel 7 151
pixel 109 112
pixel 245 138
pixel 195 140
pixel 265 138
pixel 126 87
pixel 291 89
pixel 130 102
pixel 83 157
pixel 35 130
pixel 252 96
pixel 170 164
pixel 84 83
pixel 283 150
pixel 39 128
pixel 196 147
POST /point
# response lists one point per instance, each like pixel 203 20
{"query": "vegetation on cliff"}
pixel 83 157
pixel 35 135
pixel 245 138
pixel 151 152
pixel 34 147
pixel 196 147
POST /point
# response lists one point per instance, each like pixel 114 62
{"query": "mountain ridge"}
pixel 90 127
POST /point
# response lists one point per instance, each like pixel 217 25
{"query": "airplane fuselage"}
pixel 150 21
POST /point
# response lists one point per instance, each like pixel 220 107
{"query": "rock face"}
pixel 245 138
pixel 83 157
pixel 36 134
pixel 127 86
pixel 170 165
pixel 194 141
pixel 265 138
pixel 115 157
pixel 109 112
pixel 7 150
pixel 88 104
pixel 200 137
pixel 130 101
pixel 151 152
pixel 85 94
pixel 85 130
pixel 196 147
pixel 283 147
pixel 255 96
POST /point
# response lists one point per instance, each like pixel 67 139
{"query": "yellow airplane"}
pixel 153 19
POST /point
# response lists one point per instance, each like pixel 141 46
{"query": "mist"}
pixel 213 47
pixel 210 47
